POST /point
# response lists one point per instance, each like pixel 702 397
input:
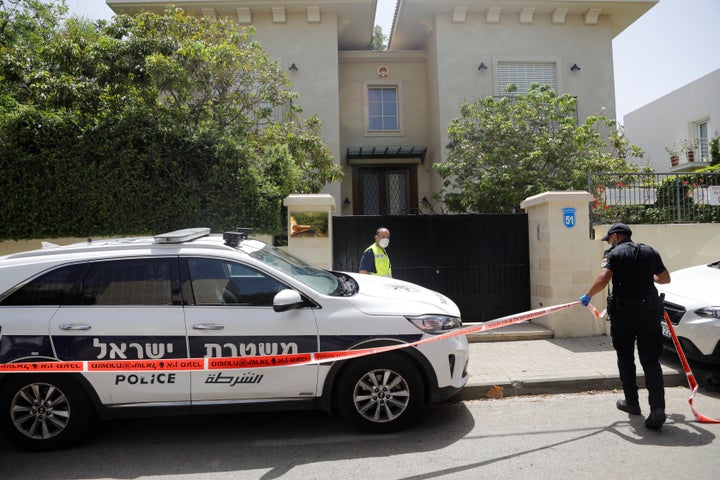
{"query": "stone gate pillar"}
pixel 563 261
pixel 310 227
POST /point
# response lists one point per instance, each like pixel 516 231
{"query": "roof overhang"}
pixel 355 19
pixel 415 19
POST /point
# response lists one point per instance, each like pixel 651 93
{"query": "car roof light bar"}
pixel 233 239
pixel 180 236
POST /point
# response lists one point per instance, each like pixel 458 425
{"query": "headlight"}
pixel 435 323
pixel 708 312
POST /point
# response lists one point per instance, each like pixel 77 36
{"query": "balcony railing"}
pixel 690 160
pixel 654 198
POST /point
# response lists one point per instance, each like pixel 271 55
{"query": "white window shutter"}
pixel 523 74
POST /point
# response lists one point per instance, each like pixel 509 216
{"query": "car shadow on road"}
pixel 706 375
pixel 270 442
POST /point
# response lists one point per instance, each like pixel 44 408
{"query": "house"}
pixel 385 113
pixel 675 130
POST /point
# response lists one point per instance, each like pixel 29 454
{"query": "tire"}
pixel 43 412
pixel 381 393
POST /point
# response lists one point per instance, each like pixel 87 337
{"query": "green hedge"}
pixel 117 180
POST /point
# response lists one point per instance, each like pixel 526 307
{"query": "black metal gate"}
pixel 481 262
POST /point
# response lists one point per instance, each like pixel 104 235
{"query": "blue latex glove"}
pixel 585 300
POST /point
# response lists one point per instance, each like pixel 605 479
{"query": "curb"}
pixel 556 385
pixel 521 331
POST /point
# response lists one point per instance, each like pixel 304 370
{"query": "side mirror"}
pixel 287 300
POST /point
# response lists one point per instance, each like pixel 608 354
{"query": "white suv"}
pixel 192 294
pixel 692 301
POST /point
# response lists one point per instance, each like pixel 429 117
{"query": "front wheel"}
pixel 381 393
pixel 43 412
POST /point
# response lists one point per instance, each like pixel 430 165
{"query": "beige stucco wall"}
pixel 407 71
pixel 316 36
pixel 315 57
pixel 561 261
pixel 681 245
pixel 565 261
pixel 458 49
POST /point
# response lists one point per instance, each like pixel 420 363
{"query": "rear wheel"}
pixel 43 412
pixel 381 393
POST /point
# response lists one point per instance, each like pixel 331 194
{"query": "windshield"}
pixel 316 278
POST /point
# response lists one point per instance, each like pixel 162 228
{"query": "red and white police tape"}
pixel 692 383
pixel 688 373
pixel 206 364
pixel 200 364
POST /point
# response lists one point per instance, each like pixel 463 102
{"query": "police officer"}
pixel 635 311
pixel 375 259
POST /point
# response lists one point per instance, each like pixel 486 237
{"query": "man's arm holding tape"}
pixel 598 285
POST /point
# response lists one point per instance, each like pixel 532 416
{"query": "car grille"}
pixel 675 312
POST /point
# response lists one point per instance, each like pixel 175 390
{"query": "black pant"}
pixel 644 326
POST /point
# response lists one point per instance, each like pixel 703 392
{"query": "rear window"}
pixel 147 281
pixel 57 287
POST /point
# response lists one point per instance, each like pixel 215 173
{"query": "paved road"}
pixel 578 436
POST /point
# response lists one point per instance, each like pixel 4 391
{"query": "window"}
pixel 383 108
pixel 58 287
pixel 523 74
pixel 703 146
pixel 219 282
pixel 121 282
pixel 130 282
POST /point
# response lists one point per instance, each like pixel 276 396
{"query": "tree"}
pixel 502 150
pixel 379 39
pixel 28 21
pixel 148 123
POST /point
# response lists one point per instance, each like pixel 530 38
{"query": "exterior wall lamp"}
pixel 482 66
pixel 574 68
pixel 293 68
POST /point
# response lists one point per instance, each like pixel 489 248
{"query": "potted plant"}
pixel 674 152
pixel 689 145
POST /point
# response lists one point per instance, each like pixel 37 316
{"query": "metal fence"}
pixel 482 262
pixel 654 198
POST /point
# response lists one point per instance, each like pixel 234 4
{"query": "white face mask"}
pixel 384 242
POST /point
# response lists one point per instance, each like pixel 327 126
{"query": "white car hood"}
pixel 388 296
pixel 700 284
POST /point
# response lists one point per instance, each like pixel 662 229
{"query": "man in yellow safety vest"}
pixel 375 260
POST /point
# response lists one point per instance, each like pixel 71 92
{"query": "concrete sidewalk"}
pixel 524 359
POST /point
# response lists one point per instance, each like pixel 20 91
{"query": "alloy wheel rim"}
pixel 40 411
pixel 381 396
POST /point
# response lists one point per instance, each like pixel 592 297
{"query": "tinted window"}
pixel 218 282
pixel 130 282
pixel 58 287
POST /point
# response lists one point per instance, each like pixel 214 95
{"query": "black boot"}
pixel 625 407
pixel 656 419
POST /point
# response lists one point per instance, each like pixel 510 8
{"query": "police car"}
pixel 692 301
pixel 191 294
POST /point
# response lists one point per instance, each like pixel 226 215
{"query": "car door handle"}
pixel 75 326
pixel 208 326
